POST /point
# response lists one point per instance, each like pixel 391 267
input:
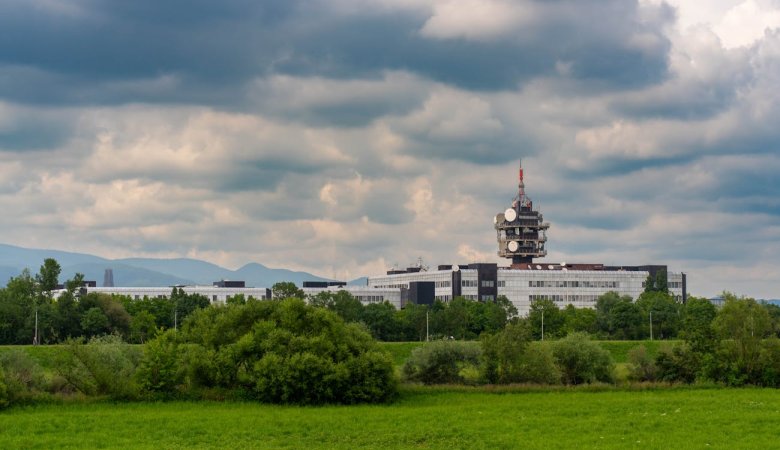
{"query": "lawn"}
pixel 421 418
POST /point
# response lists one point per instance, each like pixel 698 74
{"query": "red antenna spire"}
pixel 520 177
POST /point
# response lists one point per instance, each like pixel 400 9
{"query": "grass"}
pixel 421 418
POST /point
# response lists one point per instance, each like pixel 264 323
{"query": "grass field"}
pixel 421 418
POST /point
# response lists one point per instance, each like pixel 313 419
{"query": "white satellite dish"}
pixel 565 269
pixel 538 267
pixel 499 218
pixel 510 215
pixel 512 246
pixel 563 264
pixel 551 267
pixel 455 267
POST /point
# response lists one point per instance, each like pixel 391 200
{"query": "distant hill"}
pixel 133 272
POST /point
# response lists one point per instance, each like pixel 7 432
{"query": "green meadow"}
pixel 420 418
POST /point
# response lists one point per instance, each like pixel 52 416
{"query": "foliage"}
pixel 618 316
pixel 580 320
pixel 159 369
pixel 286 289
pixel 23 378
pixel 502 353
pixel 678 364
pixel 698 315
pixel 286 352
pixel 582 360
pixel 665 313
pixel 545 315
pixel 641 365
pixel 4 401
pixel 442 362
pixel 103 366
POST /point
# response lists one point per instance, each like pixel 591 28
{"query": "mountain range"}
pixel 133 272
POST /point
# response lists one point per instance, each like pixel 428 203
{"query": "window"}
pixel 488 283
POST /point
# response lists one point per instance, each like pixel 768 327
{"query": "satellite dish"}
pixel 551 267
pixel 499 218
pixel 538 267
pixel 563 264
pixel 510 215
pixel 512 246
pixel 455 267
pixel 565 269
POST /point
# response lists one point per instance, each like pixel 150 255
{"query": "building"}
pixel 521 237
pixel 214 293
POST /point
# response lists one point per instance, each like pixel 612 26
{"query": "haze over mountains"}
pixel 132 272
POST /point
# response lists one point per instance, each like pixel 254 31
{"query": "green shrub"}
pixel 105 365
pixel 285 352
pixel 159 370
pixel 24 378
pixel 770 362
pixel 581 360
pixel 502 354
pixel 442 362
pixel 538 365
pixel 641 366
pixel 3 390
pixel 678 364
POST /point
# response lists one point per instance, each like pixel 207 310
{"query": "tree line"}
pixel 28 299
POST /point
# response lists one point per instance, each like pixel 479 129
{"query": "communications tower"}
pixel 521 231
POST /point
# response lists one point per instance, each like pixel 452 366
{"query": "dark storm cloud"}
pixel 211 45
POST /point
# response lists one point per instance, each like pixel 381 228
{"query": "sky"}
pixel 347 137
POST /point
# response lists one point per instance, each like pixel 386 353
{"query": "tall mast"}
pixel 521 231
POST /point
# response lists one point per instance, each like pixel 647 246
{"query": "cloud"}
pixel 344 136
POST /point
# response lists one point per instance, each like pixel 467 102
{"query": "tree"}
pixel 665 311
pixel 698 315
pixel 48 276
pixel 657 283
pixel 741 323
pixel 617 316
pixel 546 312
pixel 380 319
pixel 286 289
pixel 142 327
pixel 286 352
pixel 94 322
pixel 579 320
pixel 413 321
pixel 582 360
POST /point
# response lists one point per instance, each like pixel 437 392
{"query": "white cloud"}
pixel 477 19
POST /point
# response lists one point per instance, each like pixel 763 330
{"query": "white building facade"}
pixel 559 283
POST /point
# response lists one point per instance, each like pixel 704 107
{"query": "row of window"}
pixel 566 298
pixel 469 283
pixel 370 298
pixel 443 284
pixel 604 284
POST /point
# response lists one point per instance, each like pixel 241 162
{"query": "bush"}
pixel 538 365
pixel 159 370
pixel 24 379
pixel 677 364
pixel 581 360
pixel 3 390
pixel 770 362
pixel 640 366
pixel 502 354
pixel 285 352
pixel 104 366
pixel 442 362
